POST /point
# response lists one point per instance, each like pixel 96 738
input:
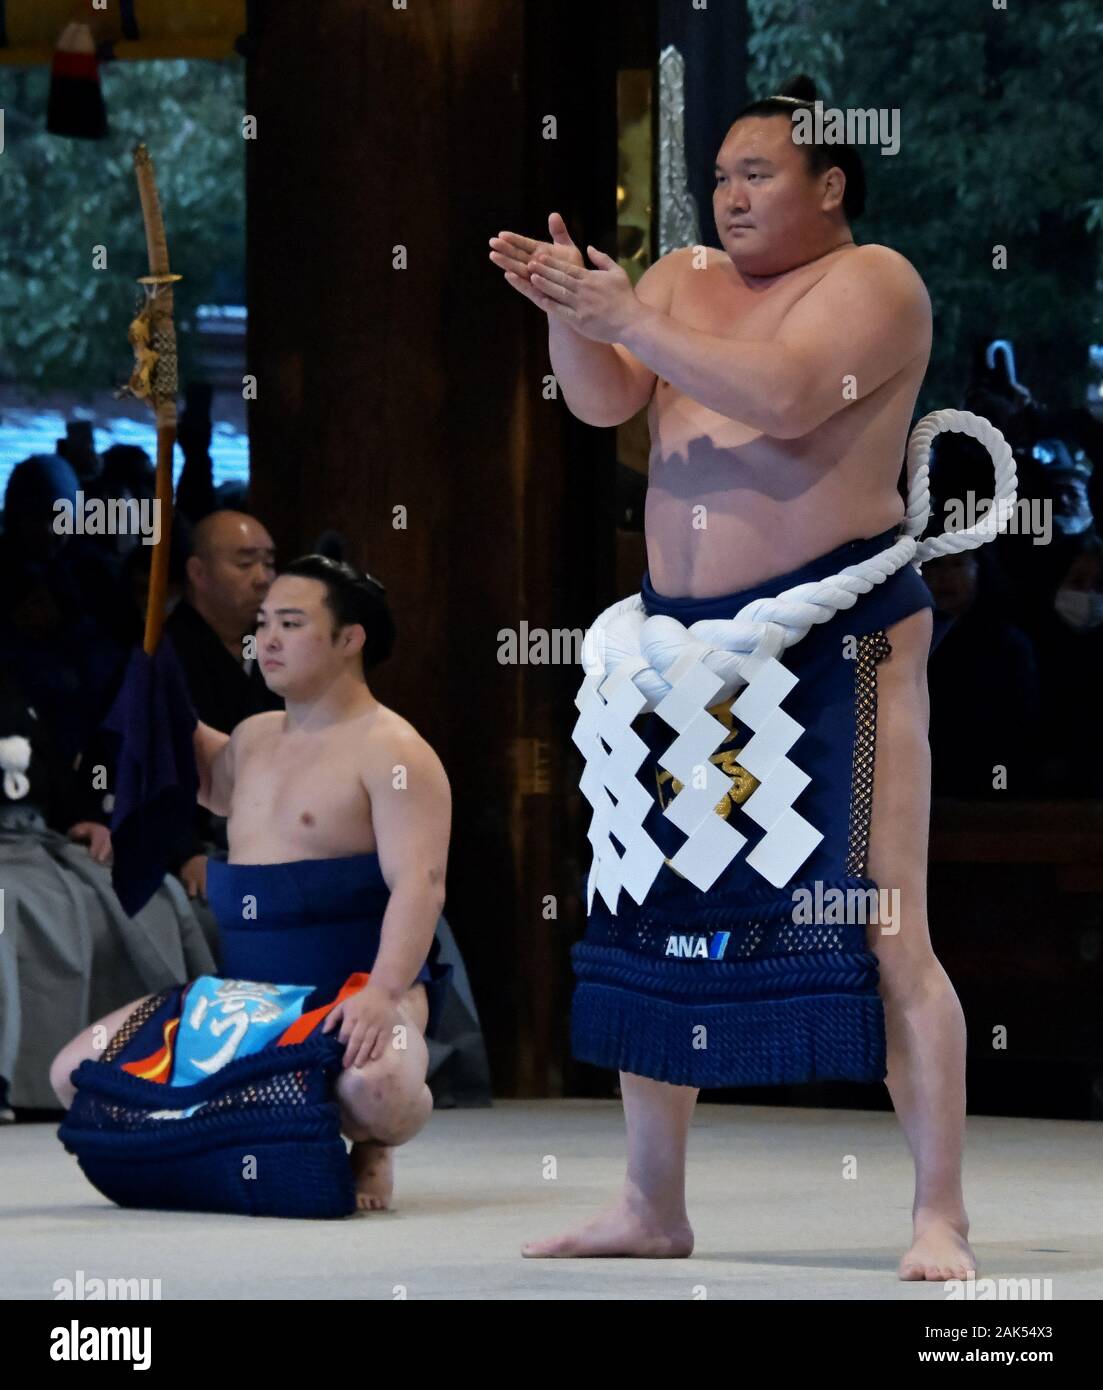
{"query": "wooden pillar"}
pixel 406 408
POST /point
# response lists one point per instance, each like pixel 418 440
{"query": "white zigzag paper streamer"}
pixel 711 843
pixel 605 718
pixel 789 838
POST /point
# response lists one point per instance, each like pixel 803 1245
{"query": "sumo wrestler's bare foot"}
pixel 373 1174
pixel 939 1249
pixel 630 1227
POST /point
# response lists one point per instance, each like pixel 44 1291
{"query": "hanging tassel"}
pixel 76 105
pixel 15 759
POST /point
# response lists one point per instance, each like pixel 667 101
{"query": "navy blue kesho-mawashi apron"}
pixel 747 984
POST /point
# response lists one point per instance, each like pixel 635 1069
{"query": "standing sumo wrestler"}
pixel 742 357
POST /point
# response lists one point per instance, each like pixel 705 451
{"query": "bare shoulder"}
pixel 881 268
pixel 392 743
pixel 656 285
pixel 257 726
pixel 674 262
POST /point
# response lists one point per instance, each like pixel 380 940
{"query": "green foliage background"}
pixel 62 323
pixel 1000 145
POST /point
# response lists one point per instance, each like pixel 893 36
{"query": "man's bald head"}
pixel 230 569
pixel 220 531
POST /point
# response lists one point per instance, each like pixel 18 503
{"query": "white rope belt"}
pixel 636 664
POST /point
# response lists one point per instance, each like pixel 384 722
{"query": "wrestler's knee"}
pixel 385 1108
pixel 388 1076
pixel 395 1074
pixel 86 1047
pixel 76 1051
pixel 405 1121
pixel 60 1070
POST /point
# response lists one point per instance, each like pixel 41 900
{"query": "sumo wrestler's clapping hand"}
pixel 519 255
pixel 367 1019
pixel 597 303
